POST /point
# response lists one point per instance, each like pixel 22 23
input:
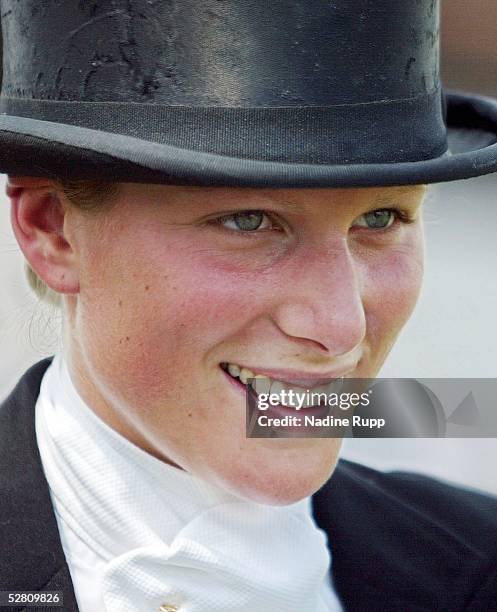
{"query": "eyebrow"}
pixel 404 190
pixel 287 204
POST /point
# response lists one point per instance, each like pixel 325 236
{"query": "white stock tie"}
pixel 228 558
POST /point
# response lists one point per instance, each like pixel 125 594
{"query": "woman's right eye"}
pixel 246 221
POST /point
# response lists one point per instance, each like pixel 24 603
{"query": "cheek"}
pixel 391 285
pixel 155 310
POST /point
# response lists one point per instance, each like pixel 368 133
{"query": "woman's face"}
pixel 303 285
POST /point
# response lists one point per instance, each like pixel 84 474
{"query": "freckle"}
pixel 121 341
pixel 120 302
pixel 189 414
pixel 147 287
pixel 127 338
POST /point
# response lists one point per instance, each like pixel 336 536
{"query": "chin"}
pixel 285 479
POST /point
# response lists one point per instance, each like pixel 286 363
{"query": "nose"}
pixel 321 302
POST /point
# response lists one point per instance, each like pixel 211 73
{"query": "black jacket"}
pixel 400 542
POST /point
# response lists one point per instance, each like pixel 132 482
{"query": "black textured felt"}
pixel 310 93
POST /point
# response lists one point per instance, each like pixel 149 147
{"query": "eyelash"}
pixel 218 221
pixel 401 215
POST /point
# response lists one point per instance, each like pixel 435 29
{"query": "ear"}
pixel 38 217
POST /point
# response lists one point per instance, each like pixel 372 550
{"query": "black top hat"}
pixel 280 93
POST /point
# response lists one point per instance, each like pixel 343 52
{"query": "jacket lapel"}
pixel 403 541
pixel 379 546
pixel 31 555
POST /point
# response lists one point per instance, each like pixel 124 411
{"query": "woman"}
pixel 214 197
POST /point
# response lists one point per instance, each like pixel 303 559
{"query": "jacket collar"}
pixel 28 526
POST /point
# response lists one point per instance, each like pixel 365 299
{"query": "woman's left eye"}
pixel 377 219
pixel 246 221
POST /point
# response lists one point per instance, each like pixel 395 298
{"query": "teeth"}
pixel 277 387
pixel 264 384
pixel 234 370
pixel 332 387
pixel 245 375
pixel 261 384
pixel 309 401
pixel 286 399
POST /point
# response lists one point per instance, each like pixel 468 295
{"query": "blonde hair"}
pixel 92 196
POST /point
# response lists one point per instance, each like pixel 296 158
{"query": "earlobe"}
pixel 38 220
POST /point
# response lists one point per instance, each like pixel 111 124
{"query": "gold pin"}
pixel 168 608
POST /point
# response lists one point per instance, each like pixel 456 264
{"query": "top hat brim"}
pixel 34 147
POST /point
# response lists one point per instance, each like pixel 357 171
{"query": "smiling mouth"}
pixel 259 383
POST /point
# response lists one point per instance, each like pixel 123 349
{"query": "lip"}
pixel 302 379
pixel 280 411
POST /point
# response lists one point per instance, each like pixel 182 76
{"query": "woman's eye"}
pixel 246 221
pixel 376 219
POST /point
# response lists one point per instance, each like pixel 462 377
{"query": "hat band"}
pixel 385 131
